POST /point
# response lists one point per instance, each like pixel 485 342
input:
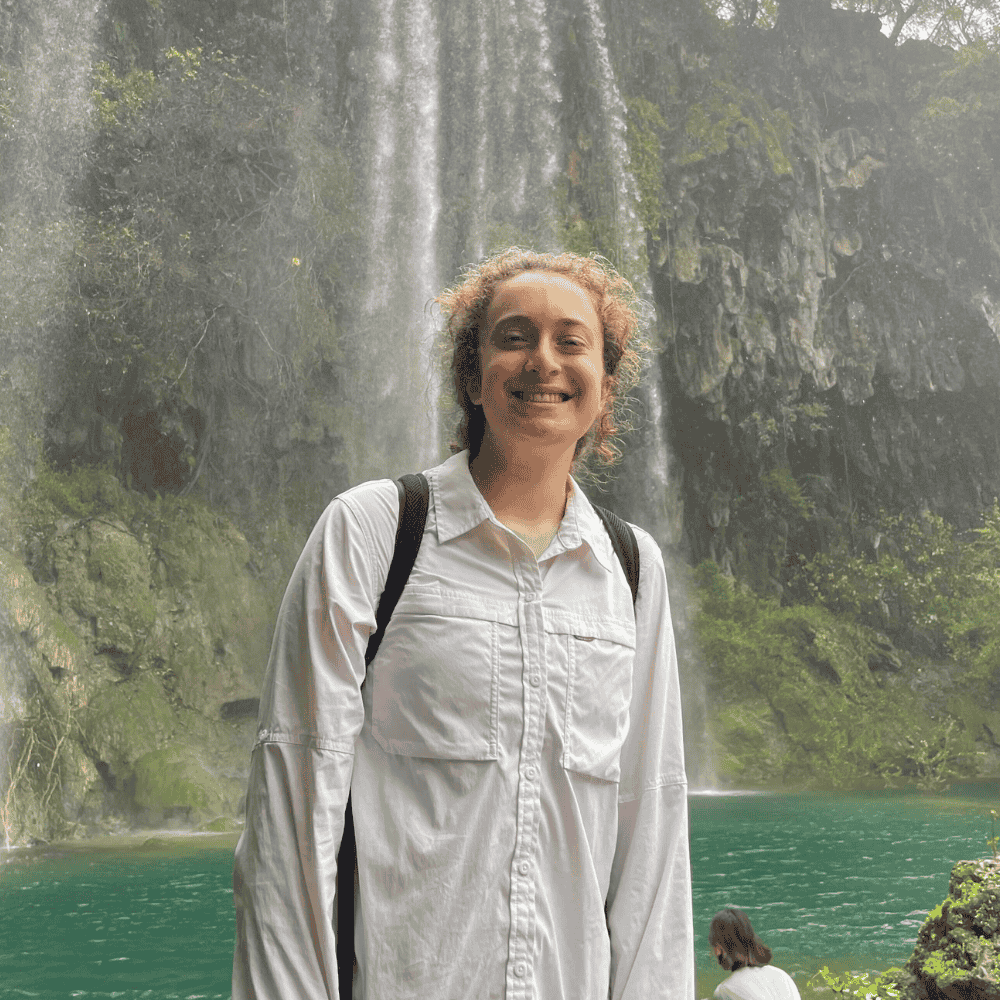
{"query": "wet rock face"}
pixel 854 280
pixel 132 652
pixel 957 955
pixel 174 782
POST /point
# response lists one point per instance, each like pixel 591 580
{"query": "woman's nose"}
pixel 543 358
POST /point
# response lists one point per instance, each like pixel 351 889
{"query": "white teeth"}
pixel 542 397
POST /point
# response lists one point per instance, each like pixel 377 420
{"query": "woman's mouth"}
pixel 541 397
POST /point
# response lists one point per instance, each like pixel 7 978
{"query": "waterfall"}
pixel 643 490
pixel 646 480
pixel 465 133
pixel 500 126
pixel 48 134
pixel 395 394
pixel 461 137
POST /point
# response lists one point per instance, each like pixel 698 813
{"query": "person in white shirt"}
pixel 514 750
pixel 738 948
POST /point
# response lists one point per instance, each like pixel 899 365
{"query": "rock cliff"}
pixel 827 279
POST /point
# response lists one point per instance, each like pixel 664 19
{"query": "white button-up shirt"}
pixel 514 755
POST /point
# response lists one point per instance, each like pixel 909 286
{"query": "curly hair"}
pixel 732 931
pixel 465 307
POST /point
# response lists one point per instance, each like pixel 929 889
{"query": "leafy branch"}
pixel 860 985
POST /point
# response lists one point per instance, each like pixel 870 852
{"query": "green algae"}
pixel 173 779
pixel 140 619
pixel 125 720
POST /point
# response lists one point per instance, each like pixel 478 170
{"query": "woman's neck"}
pixel 528 492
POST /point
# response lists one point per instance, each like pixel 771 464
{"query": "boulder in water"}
pixel 957 955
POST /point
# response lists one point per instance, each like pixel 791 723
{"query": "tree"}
pixel 944 22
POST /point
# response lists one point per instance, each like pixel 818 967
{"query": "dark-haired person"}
pixel 514 750
pixel 738 949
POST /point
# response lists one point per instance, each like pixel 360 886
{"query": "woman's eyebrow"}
pixel 520 318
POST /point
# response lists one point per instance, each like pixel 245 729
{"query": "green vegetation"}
pixel 772 432
pixel 799 704
pixel 955 952
pixel 956 949
pixel 954 131
pixel 848 675
pixel 864 985
pixel 944 22
pixel 117 98
pixel 646 134
pixel 731 117
pixel 143 617
pixel 921 582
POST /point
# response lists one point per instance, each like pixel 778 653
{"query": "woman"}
pixel 514 751
pixel 738 949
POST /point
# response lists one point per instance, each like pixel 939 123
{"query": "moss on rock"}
pixel 172 781
pixel 221 824
pixel 750 747
pixel 124 721
pixel 135 620
pixel 957 954
pixel 104 583
pixel 217 620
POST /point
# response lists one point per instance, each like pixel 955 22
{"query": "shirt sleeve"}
pixel 649 896
pixel 301 765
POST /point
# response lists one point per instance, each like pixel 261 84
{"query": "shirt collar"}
pixel 457 507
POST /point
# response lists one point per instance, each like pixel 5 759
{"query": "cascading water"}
pixel 469 112
pixel 642 487
pixel 647 485
pixel 466 120
pixel 461 137
pixel 500 126
pixel 48 132
pixel 392 332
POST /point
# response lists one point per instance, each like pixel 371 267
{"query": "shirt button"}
pixel 520 969
pixel 530 596
pixel 535 680
pixel 524 867
pixel 530 771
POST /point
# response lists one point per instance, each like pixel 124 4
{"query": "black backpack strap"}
pixel 414 497
pixel 625 546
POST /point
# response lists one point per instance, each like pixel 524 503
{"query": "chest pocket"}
pixel 435 680
pixel 599 660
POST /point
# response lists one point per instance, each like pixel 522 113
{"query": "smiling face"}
pixel 541 359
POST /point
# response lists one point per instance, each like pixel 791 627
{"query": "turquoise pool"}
pixel 844 879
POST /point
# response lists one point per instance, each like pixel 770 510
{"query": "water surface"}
pixel 843 879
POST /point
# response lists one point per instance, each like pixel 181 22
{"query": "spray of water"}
pixel 649 484
pixel 392 333
pixel 459 136
pixel 463 140
pixel 49 132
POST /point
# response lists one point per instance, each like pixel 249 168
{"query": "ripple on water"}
pixel 827 877
pixel 843 880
